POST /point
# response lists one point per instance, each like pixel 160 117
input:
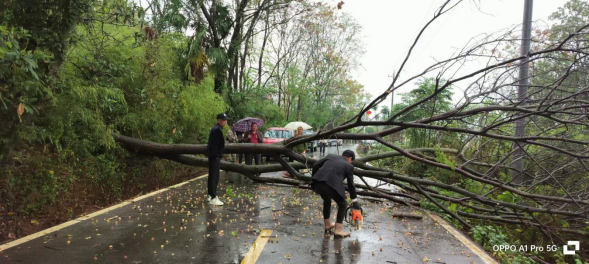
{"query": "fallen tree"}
pixel 551 193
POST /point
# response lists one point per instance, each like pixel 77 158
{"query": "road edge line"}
pixel 254 253
pixel 484 255
pixel 86 217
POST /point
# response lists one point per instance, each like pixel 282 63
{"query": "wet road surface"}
pixel 178 226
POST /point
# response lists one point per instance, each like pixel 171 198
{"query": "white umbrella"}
pixel 296 125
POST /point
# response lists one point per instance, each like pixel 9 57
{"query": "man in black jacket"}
pixel 328 176
pixel 215 147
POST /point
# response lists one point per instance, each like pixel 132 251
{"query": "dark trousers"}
pixel 321 147
pixel 240 157
pixel 327 194
pixel 256 157
pixel 213 179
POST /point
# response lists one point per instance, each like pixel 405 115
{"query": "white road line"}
pixel 86 217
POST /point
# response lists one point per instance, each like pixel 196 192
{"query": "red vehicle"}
pixel 276 134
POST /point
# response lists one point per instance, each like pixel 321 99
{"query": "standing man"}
pixel 328 176
pixel 239 139
pixel 322 145
pixel 256 137
pixel 232 138
pixel 215 148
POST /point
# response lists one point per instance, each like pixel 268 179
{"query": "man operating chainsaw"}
pixel 328 176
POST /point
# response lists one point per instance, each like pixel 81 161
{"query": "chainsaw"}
pixel 354 215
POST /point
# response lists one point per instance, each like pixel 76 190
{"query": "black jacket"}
pixel 216 142
pixel 248 140
pixel 332 170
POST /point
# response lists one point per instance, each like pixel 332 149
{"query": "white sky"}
pixel 390 26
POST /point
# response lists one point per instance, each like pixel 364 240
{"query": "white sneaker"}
pixel 216 201
pixel 209 198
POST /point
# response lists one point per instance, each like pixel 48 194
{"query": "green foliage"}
pixel 452 207
pixel 385 112
pixel 574 14
pixel 370 129
pixel 489 236
pixel 198 107
pixel 170 16
pixel 224 19
pixel 506 196
pixel 439 103
pixel 229 191
pixel 111 82
pixel 442 158
pixel 254 103
pixel 18 72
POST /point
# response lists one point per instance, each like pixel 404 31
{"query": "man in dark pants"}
pixel 328 176
pixel 215 147
pixel 322 146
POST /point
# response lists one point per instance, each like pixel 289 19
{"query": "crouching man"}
pixel 327 181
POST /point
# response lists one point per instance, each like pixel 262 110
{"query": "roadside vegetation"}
pixel 73 73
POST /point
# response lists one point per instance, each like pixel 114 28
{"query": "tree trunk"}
pixel 236 72
pixel 220 79
pixel 299 107
pixel 279 80
pixel 279 98
pixel 260 66
pixel 242 76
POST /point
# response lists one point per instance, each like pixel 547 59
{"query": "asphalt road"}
pixel 178 226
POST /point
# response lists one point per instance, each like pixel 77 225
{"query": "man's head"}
pixel 254 127
pixel 349 155
pixel 222 119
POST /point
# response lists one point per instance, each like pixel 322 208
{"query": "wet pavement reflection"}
pixel 178 226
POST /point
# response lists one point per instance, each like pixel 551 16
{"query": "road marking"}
pixel 86 217
pixel 252 255
pixel 467 242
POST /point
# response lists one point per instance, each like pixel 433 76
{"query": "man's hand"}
pixel 356 204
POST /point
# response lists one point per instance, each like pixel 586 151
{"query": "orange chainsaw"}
pixel 354 215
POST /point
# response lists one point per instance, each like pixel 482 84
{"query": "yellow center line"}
pixel 252 255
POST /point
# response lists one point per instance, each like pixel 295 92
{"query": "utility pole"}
pixel 392 95
pixel 522 91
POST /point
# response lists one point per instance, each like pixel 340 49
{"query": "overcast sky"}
pixel 390 26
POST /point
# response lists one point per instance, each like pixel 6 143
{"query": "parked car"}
pixel 311 146
pixel 369 142
pixel 334 142
pixel 276 134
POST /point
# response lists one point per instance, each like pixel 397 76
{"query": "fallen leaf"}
pixel 20 111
